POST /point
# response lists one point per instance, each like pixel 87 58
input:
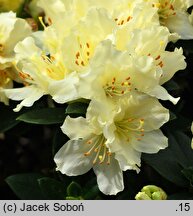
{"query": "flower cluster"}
pixel 111 53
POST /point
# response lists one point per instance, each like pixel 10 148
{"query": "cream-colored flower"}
pixel 173 14
pixel 133 129
pixel 86 149
pixel 63 14
pixel 152 42
pixel 79 47
pixel 41 74
pixel 12 30
pixel 111 139
pixel 114 73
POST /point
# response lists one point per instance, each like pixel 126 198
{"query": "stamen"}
pixel 91 149
pixel 41 21
pixel 109 158
pixel 158 57
pixel 97 155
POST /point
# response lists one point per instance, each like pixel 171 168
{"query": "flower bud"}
pixel 151 192
pixel 142 196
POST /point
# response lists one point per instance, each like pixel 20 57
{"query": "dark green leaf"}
pixel 172 160
pixel 44 116
pixel 74 190
pixel 91 190
pixel 76 108
pixel 52 189
pixel 188 173
pixel 26 186
pixel 7 118
pixel 92 193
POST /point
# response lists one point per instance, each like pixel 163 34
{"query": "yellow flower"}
pixel 173 14
pixel 12 30
pixel 41 74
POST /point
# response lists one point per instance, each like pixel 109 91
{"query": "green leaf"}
pixel 26 186
pixel 52 189
pixel 7 118
pixel 74 190
pixel 44 116
pixel 188 173
pixel 172 160
pixel 92 193
pixel 76 108
pixel 91 190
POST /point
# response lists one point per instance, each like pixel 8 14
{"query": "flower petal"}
pixel 173 62
pixel 180 24
pixel 161 93
pixel 152 142
pixel 76 128
pixel 125 153
pixel 70 159
pixel 63 91
pixel 109 177
pixel 28 94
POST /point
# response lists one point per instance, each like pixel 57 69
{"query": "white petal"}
pixel 76 128
pixel 152 142
pixel 125 153
pixel 28 94
pixel 26 48
pixel 63 91
pixel 109 177
pixel 70 159
pixel 180 24
pixel 161 93
pixel 173 62
pixel 139 105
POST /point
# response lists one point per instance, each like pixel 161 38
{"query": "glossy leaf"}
pixel 44 116
pixel 76 109
pixel 52 189
pixel 26 186
pixel 74 190
pixel 172 160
